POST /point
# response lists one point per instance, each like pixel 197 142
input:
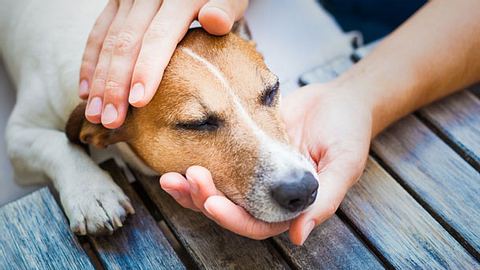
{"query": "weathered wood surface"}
pixel 436 175
pixel 34 235
pixel 139 244
pixel 210 246
pixel 332 245
pixel 458 119
pixel 399 228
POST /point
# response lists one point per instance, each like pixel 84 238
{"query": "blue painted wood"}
pixel 34 235
pixel 332 245
pixel 139 244
pixel 399 228
pixel 210 246
pixel 457 118
pixel 436 175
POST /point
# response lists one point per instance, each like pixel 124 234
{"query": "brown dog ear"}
pixel 241 29
pixel 81 131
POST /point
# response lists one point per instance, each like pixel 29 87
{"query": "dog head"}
pixel 217 106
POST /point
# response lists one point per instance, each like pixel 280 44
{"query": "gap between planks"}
pixel 456 235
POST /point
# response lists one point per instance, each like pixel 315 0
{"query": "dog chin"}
pixel 273 216
pixel 265 209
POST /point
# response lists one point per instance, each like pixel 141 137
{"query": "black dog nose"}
pixel 296 195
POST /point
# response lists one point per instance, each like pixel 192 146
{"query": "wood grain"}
pixel 140 244
pixel 399 228
pixel 211 246
pixel 458 119
pixel 436 175
pixel 332 245
pixel 35 235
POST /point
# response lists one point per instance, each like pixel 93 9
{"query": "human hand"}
pixel 333 126
pixel 131 44
pixel 197 192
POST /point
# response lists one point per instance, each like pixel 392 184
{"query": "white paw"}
pixel 96 207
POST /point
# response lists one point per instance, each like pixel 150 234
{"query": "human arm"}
pixel 435 53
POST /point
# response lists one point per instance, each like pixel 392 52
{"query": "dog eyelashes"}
pixel 211 123
pixel 270 94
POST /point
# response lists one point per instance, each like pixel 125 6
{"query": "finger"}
pixel 331 190
pixel 177 187
pixel 201 185
pixel 234 218
pixel 159 43
pixel 95 99
pixel 94 45
pixel 125 52
pixel 217 16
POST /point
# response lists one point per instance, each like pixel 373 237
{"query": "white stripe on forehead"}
pixel 221 78
pixel 210 67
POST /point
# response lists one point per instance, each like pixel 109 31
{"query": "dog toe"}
pixel 97 212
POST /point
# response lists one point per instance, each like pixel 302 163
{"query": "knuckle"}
pixel 100 74
pixel 331 209
pixel 98 84
pixel 87 67
pixel 143 66
pixel 125 43
pixel 157 30
pixel 109 43
pixel 94 40
pixel 113 86
pixel 252 230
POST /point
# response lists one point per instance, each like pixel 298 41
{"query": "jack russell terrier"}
pixel 217 106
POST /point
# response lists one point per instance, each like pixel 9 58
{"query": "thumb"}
pixel 217 16
pixel 332 189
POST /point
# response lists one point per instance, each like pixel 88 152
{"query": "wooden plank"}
pixel 399 228
pixel 35 235
pixel 139 244
pixel 458 119
pixel 332 245
pixel 211 246
pixel 436 175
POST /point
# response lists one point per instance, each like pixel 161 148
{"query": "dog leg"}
pixel 93 203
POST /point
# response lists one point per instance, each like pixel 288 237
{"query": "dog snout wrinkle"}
pixel 296 194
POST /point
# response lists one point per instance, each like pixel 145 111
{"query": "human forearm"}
pixel 433 54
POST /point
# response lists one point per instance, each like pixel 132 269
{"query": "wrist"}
pixel 387 94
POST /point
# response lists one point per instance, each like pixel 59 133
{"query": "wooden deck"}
pixel 416 206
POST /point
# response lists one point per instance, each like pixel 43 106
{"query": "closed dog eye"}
pixel 270 94
pixel 210 123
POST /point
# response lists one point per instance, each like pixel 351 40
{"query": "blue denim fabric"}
pixel 374 18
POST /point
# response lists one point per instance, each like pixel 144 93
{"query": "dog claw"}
pixel 128 206
pixel 109 227
pixel 117 223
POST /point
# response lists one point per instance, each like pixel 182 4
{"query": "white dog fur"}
pixel 46 78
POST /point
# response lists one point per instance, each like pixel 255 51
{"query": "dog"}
pixel 217 106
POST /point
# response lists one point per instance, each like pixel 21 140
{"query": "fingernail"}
pixel 137 93
pixel 83 89
pixel 175 194
pixel 307 230
pixel 207 208
pixel 193 185
pixel 110 114
pixel 95 106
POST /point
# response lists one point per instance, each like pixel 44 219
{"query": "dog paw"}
pixel 96 209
